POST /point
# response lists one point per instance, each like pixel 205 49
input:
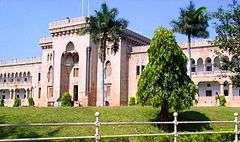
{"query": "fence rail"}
pixel 98 125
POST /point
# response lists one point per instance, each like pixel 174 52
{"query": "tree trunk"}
pixel 164 116
pixel 102 58
pixel 102 84
pixel 189 57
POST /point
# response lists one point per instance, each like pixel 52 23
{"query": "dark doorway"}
pixel 208 92
pixel 75 93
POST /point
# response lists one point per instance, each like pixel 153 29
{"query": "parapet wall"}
pixel 15 62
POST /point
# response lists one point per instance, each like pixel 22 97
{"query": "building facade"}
pixel 70 63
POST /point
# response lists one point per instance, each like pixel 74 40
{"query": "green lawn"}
pixel 36 115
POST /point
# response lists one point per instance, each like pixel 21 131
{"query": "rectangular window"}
pixel 75 72
pixel 50 91
pixel 193 69
pixel 138 70
pixel 75 93
pixel 39 76
pixel 3 96
pixel 108 51
pixel 143 66
pixel 225 92
pixel 39 92
pixel 209 68
pixel 208 92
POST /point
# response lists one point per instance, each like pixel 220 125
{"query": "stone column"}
pixel 11 94
pixel 14 94
pixel 28 92
pixel 221 90
pixel 230 90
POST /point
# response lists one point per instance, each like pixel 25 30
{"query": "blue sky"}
pixel 23 22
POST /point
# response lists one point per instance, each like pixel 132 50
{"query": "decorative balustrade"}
pixel 65 22
pixel 216 72
pixel 45 40
pixel 14 83
pixel 21 61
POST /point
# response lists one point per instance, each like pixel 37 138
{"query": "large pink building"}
pixel 70 63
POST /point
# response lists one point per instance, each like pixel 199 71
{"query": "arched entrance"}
pixel 69 60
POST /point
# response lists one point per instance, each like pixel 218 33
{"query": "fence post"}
pixel 97 124
pixel 175 114
pixel 236 126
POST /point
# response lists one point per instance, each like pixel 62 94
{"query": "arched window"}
pixel 193 66
pixel 28 74
pixel 216 63
pixel 235 59
pixel 50 74
pixel 48 57
pixel 20 74
pixel 236 62
pixel 200 65
pixel 108 69
pixel 70 46
pixel 225 61
pixel 208 64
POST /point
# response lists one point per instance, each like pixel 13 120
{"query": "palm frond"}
pixel 105 27
pixel 191 22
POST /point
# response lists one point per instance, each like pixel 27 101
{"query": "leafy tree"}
pixel 66 100
pixel 105 27
pixel 1 102
pixel 193 23
pixel 30 101
pixel 17 102
pixel 164 82
pixel 227 22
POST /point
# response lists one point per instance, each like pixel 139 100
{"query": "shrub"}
pixel 30 101
pixel 225 83
pixel 132 101
pixel 222 100
pixel 1 102
pixel 66 100
pixel 17 102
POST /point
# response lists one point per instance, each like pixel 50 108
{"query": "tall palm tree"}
pixel 193 23
pixel 104 27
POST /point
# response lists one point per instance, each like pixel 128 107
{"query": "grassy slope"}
pixel 34 115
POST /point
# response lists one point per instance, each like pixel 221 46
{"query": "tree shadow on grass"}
pixel 14 132
pixel 193 116
pixel 185 116
pixel 168 127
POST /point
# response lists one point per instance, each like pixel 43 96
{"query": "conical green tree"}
pixel 164 82
pixel 193 23
pixel 105 27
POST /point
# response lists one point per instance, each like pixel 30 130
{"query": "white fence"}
pixel 98 125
